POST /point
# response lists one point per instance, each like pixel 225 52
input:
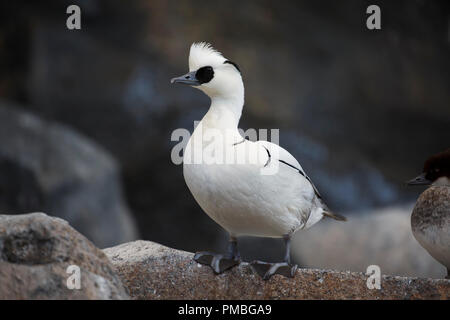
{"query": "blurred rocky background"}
pixel 86 115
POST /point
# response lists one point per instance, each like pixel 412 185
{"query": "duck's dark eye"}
pixel 204 74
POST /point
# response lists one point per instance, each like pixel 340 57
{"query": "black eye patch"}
pixel 234 64
pixel 204 74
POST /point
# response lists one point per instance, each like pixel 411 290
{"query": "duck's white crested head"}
pixel 203 54
pixel 212 73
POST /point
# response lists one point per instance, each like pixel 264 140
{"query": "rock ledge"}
pixel 36 252
pixel 152 271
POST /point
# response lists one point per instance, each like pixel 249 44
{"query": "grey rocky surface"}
pixel 152 271
pixel 51 168
pixel 35 253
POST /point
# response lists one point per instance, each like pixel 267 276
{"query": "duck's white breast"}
pixel 246 202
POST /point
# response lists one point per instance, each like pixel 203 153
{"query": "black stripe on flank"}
pixel 303 174
pixel 236 143
pixel 290 165
pixel 268 160
pixel 234 64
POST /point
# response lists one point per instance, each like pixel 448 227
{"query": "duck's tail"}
pixel 334 216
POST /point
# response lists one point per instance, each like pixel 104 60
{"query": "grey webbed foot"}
pixel 285 268
pixel 218 262
pixel 267 269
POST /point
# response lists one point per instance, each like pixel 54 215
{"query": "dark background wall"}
pixel 360 109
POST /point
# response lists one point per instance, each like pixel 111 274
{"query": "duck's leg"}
pixel 285 268
pixel 448 274
pixel 220 262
